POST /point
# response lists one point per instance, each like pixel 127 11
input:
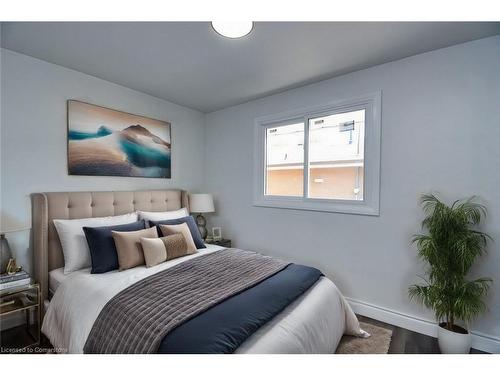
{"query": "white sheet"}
pixel 56 277
pixel 312 324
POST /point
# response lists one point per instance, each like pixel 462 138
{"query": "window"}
pixel 285 160
pixel 322 158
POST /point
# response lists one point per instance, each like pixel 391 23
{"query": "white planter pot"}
pixel 453 342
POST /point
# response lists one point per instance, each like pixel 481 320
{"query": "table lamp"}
pixel 201 203
pixel 5 252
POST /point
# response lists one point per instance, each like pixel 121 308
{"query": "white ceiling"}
pixel 189 64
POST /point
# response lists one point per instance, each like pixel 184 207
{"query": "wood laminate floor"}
pixel 408 342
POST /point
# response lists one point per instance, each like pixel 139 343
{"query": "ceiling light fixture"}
pixel 233 29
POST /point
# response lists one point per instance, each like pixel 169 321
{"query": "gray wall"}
pixel 440 132
pixel 33 148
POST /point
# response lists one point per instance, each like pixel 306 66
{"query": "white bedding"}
pixel 56 277
pixel 314 323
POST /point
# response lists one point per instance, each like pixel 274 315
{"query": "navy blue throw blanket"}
pixel 224 327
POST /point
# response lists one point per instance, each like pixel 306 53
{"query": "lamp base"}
pixel 5 253
pixel 202 226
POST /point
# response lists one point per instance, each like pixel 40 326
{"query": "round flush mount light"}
pixel 233 29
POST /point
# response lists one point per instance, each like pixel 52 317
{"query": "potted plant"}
pixel 450 246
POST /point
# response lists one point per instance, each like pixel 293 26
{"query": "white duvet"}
pixel 314 323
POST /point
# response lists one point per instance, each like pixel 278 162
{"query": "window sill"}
pixel 323 205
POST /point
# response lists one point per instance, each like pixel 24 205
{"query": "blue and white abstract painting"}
pixel 106 142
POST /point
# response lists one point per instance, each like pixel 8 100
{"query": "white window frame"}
pixel 371 103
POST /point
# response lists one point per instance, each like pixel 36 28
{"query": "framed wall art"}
pixel 107 142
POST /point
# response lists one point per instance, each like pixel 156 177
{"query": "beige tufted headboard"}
pixel 78 205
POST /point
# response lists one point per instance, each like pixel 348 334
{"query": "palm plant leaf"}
pixel 450 246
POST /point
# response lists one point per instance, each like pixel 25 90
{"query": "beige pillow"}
pixel 159 250
pixel 154 250
pixel 180 228
pixel 128 246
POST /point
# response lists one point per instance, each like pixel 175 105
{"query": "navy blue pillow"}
pixel 193 228
pixel 102 246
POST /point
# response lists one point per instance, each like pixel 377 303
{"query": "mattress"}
pixel 314 323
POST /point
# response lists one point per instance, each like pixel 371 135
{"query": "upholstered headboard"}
pixel 78 205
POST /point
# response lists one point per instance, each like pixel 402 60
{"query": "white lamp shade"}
pixel 201 203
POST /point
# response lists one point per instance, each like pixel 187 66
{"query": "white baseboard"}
pixel 480 340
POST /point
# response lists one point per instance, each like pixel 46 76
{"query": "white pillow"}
pixel 74 244
pixel 165 215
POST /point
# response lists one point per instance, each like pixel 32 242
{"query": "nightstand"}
pixel 223 242
pixel 16 300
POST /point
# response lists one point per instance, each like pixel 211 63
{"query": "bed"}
pixel 313 323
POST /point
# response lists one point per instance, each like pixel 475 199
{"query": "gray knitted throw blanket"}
pixel 137 318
